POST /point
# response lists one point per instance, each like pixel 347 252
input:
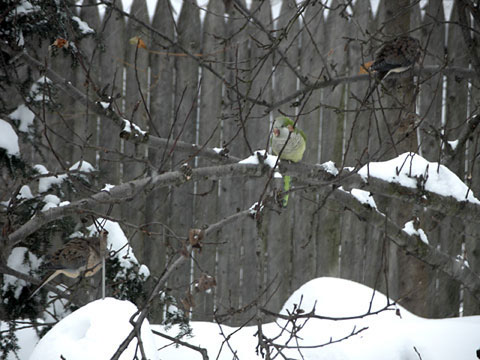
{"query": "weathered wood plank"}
pixel 278 223
pixel 58 122
pixel 229 252
pixel 447 301
pixel 206 201
pixel 312 66
pixel 432 38
pixel 184 128
pixel 111 62
pixel 328 237
pixel 353 231
pixel 257 131
pixel 136 87
pixel 85 122
pixel 161 109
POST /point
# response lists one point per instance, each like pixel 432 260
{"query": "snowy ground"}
pixel 96 330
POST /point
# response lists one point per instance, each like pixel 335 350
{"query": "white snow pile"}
pixel 9 139
pixel 386 336
pixel 21 260
pixel 53 201
pixel 330 167
pixel 25 7
pixel 96 330
pixel 22 113
pixel 45 183
pixel 25 193
pixel 128 126
pixel 24 116
pixel 93 332
pixel 108 187
pixel 410 169
pixel 365 197
pixel 83 26
pixel 270 160
pixel 409 228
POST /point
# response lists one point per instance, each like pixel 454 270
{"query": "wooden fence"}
pixel 311 237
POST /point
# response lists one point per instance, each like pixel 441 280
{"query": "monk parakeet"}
pixel 397 55
pixel 294 148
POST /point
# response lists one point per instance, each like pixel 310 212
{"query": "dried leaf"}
pixel 60 43
pixel 137 40
pixel 364 67
pixel 205 283
pixel 195 237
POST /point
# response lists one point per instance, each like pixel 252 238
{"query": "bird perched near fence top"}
pixel 395 56
pixel 293 142
pixel 78 256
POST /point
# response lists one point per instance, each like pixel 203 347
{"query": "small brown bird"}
pixel 397 55
pixel 78 256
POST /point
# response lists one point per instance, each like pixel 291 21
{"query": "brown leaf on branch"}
pixel 136 40
pixel 195 237
pixel 364 68
pixel 205 283
pixel 60 43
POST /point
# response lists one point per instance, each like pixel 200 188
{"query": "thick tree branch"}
pixel 126 191
pixel 317 176
pixel 412 244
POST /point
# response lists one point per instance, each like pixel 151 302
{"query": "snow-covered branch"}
pixel 412 244
pixel 318 176
pixel 129 190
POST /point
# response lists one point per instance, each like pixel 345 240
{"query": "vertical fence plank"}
pixel 58 122
pixel 230 258
pixel 206 201
pixel 161 109
pixel 331 139
pixel 85 123
pixel 136 89
pixel 304 261
pixel 430 111
pixel 279 223
pixel 112 38
pixel 447 301
pixel 184 128
pixel 254 246
pixel 354 231
pixel 433 40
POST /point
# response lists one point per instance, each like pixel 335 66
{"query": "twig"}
pixel 201 350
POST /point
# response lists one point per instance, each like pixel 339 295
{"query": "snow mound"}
pixel 393 334
pixel 9 139
pixel 95 331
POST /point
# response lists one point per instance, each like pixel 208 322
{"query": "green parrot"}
pixel 293 151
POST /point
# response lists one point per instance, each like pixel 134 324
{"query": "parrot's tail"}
pixel 286 187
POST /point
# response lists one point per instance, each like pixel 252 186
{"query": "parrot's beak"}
pixel 276 132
